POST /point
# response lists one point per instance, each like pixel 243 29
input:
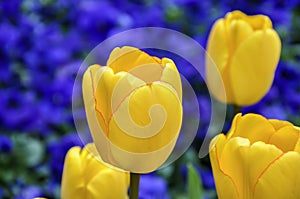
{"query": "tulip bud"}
pixel 258 158
pixel 246 51
pixel 134 110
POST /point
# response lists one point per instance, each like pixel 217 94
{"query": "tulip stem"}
pixel 236 109
pixel 134 185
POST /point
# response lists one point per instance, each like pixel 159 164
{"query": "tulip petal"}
pixel 238 31
pixel 243 163
pixel 285 138
pixel 253 127
pixel 103 185
pixel 217 62
pixel 171 76
pixel 220 141
pixel 224 184
pixel 91 165
pixel 104 89
pixel 89 87
pixel 255 165
pixel 231 161
pixel 217 46
pixel 137 129
pixel 281 179
pixel 73 183
pixel 108 89
pixel 278 124
pixel 234 15
pixel 297 147
pixel 253 66
pixel 127 58
pixel 257 22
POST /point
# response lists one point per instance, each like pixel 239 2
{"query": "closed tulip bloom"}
pixel 246 51
pixel 133 107
pixel 258 158
pixel 86 176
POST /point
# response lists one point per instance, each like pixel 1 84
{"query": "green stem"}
pixel 134 185
pixel 236 109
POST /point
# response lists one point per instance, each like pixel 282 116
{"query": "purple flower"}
pixel 276 111
pixel 10 9
pixel 207 178
pixel 152 186
pixel 16 109
pixel 29 192
pixel 1 192
pixel 6 144
pixel 94 19
pixel 57 151
pixel 9 36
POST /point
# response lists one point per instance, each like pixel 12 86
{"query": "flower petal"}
pixel 73 184
pixel 297 147
pixel 91 164
pixel 224 184
pixel 153 112
pixel 238 31
pixel 285 138
pixel 243 163
pixel 253 127
pixel 232 163
pixel 255 165
pixel 127 58
pixel 171 76
pixel 103 185
pixel 257 22
pixel 104 89
pixel 278 124
pixel 217 62
pixel 253 66
pixel 281 179
pixel 217 46
pixel 89 87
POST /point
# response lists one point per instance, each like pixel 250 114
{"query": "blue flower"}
pixel 6 144
pixel 57 151
pixel 10 9
pixel 94 19
pixel 275 111
pixel 152 186
pixel 1 192
pixel 30 192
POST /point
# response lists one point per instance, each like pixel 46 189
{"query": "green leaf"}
pixel 28 151
pixel 194 183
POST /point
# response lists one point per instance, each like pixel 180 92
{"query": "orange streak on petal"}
pixel 226 173
pixel 97 110
pixel 117 107
pixel 263 171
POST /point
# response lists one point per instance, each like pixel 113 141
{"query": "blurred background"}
pixel 42 45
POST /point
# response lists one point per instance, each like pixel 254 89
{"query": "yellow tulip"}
pixel 133 107
pixel 86 176
pixel 246 51
pixel 258 158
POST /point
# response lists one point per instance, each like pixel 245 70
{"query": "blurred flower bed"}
pixel 43 43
